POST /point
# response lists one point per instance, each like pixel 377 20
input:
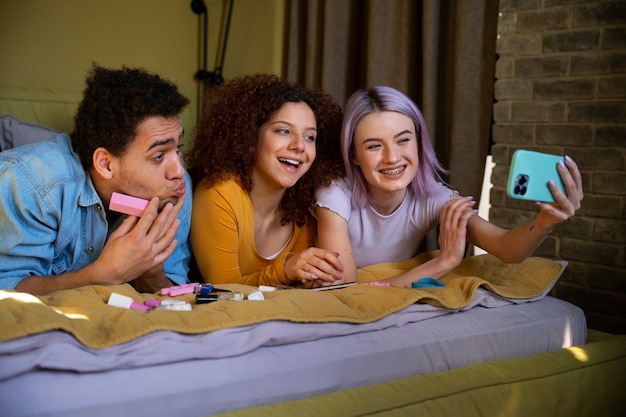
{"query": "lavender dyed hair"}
pixel 379 99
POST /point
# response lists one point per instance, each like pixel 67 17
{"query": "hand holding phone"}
pixel 530 173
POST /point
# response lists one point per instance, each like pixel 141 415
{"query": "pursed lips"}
pixel 180 190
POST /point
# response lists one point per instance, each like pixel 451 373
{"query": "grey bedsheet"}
pixel 166 374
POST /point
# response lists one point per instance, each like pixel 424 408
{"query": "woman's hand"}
pixel 314 264
pixel 551 214
pixel 453 229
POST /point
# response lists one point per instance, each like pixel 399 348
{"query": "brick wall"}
pixel 561 88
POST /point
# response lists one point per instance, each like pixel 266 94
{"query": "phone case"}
pixel 529 175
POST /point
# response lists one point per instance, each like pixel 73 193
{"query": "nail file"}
pixel 127 204
pixel 119 300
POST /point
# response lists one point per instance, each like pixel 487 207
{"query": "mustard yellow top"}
pixel 222 237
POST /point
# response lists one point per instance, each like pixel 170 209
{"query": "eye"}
pixel 373 147
pixel 310 138
pixel 283 131
pixel 179 148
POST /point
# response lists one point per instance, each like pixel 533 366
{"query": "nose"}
pixel 390 155
pixel 297 143
pixel 175 169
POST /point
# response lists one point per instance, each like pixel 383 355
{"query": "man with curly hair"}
pixel 56 226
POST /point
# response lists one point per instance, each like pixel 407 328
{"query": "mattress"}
pixel 273 361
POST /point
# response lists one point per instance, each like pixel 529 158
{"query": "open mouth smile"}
pixel 290 162
pixel 394 171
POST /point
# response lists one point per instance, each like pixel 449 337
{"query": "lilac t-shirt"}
pixel 377 238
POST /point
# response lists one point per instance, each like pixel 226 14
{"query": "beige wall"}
pixel 51 43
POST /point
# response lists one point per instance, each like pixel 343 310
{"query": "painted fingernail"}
pixel 568 159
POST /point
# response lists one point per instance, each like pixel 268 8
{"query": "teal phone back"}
pixel 529 175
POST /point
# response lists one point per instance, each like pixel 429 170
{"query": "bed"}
pixel 490 333
pixel 491 342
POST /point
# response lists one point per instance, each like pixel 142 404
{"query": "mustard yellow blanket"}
pixel 84 312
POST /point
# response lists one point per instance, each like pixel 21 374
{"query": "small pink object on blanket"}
pixel 378 284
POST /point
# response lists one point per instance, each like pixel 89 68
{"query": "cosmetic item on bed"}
pixel 267 288
pixel 203 289
pixel 179 289
pixel 427 283
pixel 334 286
pixel 256 295
pixel 219 295
pixel 152 303
pixel 122 301
pixel 127 204
pixel 171 304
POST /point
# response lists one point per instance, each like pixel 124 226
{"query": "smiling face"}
pixel 286 147
pixel 386 150
pixel 151 165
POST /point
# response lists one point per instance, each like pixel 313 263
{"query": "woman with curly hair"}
pixel 261 149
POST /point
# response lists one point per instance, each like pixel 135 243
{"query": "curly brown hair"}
pixel 226 140
pixel 115 103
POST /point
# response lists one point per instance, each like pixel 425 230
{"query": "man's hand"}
pixel 140 246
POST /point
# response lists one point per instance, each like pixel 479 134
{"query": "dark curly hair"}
pixel 226 140
pixel 115 103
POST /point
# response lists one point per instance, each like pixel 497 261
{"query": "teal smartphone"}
pixel 529 175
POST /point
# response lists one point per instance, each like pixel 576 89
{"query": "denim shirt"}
pixel 52 220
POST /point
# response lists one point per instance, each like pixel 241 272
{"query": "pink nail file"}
pixel 127 204
pixel 119 300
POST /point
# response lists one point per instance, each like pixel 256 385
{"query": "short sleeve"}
pixel 336 197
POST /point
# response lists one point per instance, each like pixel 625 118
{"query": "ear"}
pixel 353 157
pixel 104 163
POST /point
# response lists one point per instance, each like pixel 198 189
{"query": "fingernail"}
pixel 567 158
pixel 562 164
pixel 551 183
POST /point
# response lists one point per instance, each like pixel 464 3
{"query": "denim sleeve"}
pixel 27 243
pixel 177 265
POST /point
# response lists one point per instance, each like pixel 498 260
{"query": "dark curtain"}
pixel 440 53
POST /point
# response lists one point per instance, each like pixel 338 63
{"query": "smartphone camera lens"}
pixel 521 184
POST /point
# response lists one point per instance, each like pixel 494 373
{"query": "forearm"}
pixel 152 281
pixel 521 242
pixel 42 285
pixel 512 245
pixel 434 268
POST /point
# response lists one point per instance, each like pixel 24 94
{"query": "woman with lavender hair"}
pixel 393 195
